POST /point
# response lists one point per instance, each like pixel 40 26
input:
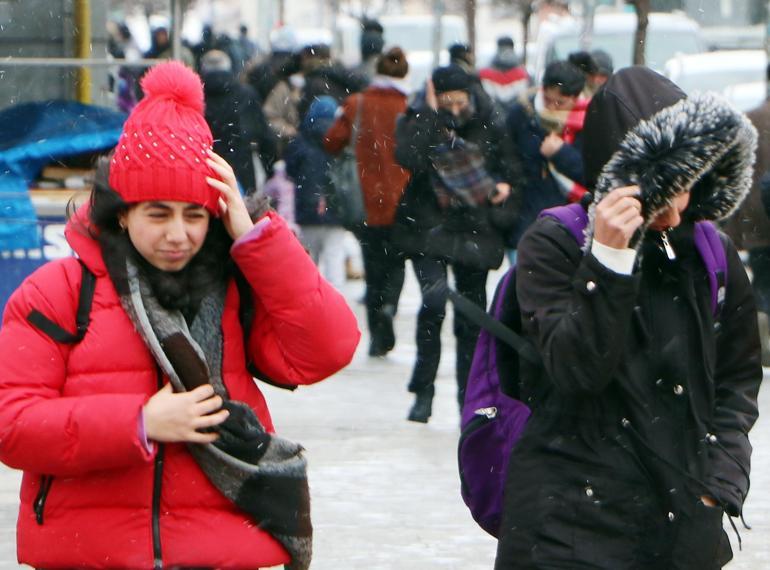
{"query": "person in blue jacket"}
pixel 548 144
pixel 308 164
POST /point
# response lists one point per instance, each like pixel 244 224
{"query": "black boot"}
pixel 383 336
pixel 423 406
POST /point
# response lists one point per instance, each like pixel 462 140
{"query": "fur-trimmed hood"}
pixel 667 144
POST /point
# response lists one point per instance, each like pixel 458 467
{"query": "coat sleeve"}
pixel 569 161
pixel 44 430
pixel 572 305
pixel 737 379
pixel 338 135
pixel 415 138
pixel 303 330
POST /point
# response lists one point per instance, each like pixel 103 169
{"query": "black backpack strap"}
pixel 480 317
pixel 82 317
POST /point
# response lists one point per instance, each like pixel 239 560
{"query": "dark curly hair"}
pixel 181 290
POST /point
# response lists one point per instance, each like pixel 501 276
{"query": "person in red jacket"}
pixel 370 117
pixel 146 443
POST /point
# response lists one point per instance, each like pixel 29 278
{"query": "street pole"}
pixel 470 22
pixel 176 29
pixel 438 12
pixel 83 48
pixel 586 38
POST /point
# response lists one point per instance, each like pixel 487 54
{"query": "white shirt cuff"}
pixel 617 260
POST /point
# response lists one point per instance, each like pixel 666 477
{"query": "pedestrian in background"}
pixel 545 126
pixel 146 443
pixel 307 164
pixel 372 43
pixel 638 440
pixel 505 79
pixel 454 206
pixel 382 183
pixel 236 120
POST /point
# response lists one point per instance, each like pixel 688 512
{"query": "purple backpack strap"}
pixel 573 216
pixel 712 252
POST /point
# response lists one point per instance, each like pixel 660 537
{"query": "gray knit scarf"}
pixel 264 475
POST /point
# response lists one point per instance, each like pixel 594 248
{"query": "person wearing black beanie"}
pixel 456 205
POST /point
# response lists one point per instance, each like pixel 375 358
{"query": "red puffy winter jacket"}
pixel 72 412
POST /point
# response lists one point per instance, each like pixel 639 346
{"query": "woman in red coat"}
pixel 147 444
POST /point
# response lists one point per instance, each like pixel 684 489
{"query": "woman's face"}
pixel 671 217
pixel 167 234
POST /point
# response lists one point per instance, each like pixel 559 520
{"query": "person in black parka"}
pixel 435 234
pixel 638 441
pixel 236 120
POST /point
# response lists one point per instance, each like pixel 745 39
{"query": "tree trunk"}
pixel 470 23
pixel 640 38
pixel 526 16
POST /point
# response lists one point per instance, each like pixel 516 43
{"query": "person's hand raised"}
pixel 173 417
pixel 618 215
pixel 233 210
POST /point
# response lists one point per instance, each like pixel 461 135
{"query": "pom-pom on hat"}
pixel 162 152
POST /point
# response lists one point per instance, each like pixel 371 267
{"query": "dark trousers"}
pixel 759 261
pixel 471 282
pixel 384 269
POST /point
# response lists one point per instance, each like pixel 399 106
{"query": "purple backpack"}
pixel 492 422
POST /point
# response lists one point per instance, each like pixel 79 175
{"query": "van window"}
pixel 661 46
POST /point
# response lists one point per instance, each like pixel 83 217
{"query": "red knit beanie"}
pixel 162 152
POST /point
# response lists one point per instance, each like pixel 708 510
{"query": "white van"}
pixel 668 34
pixel 737 75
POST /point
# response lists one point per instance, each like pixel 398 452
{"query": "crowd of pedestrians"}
pixel 646 391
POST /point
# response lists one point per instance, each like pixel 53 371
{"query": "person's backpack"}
pixel 83 319
pixel 493 421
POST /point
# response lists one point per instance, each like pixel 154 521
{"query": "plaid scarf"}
pixel 264 475
pixel 460 176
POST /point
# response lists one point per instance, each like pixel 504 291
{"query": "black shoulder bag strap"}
pixel 82 317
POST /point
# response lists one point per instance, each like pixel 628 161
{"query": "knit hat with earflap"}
pixel 162 152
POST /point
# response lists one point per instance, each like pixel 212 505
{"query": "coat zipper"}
pixel 156 490
pixel 39 505
pixel 667 246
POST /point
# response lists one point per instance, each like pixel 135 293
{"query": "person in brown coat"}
pixel 382 183
pixel 750 226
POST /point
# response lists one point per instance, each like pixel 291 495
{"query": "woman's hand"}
pixel 175 417
pixel 618 216
pixel 502 191
pixel 551 145
pixel 235 216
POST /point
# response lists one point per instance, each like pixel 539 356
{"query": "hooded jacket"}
pixel 73 411
pixel 308 163
pixel 645 399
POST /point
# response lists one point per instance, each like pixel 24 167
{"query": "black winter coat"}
pixel 465 235
pixel 644 400
pixel 235 117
